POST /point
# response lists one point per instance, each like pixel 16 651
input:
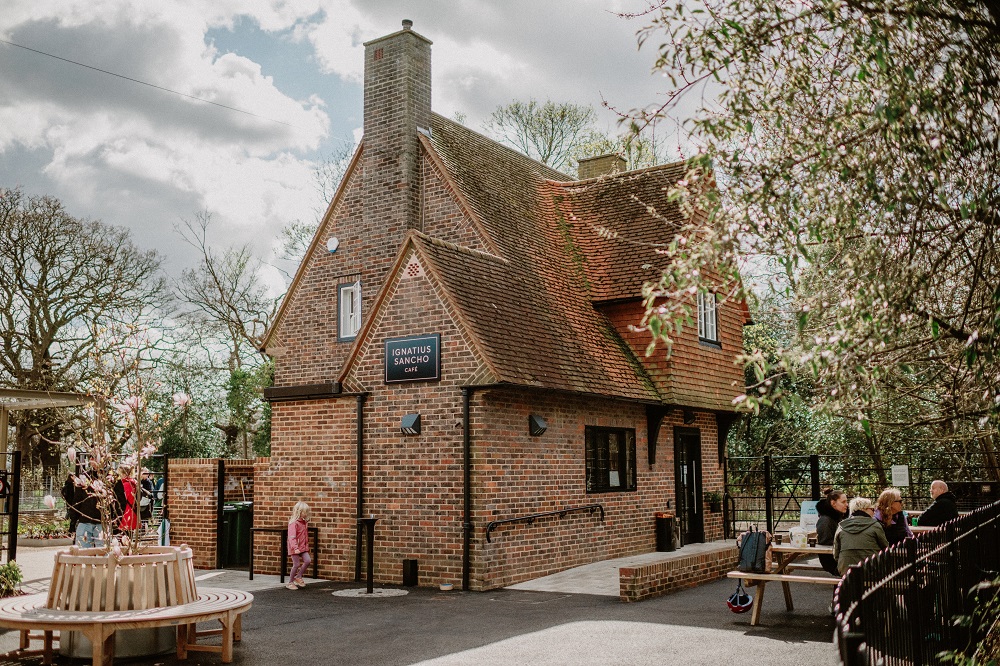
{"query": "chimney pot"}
pixel 407 24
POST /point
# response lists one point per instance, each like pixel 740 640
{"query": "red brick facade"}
pixel 454 235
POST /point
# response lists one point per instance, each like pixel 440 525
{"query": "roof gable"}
pixel 321 232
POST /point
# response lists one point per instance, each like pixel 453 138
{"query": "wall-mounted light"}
pixel 536 425
pixel 410 425
pixel 689 417
pixel 332 244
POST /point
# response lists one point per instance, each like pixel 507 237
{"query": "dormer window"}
pixel 348 311
pixel 708 318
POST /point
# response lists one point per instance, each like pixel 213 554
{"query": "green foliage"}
pixel 56 528
pixel 984 626
pixel 854 149
pixel 10 578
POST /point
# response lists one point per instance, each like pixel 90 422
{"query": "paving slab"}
pixel 602 578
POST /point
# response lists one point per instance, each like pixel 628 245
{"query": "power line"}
pixel 151 85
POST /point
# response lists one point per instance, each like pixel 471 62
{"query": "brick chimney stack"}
pixel 397 105
pixel 602 165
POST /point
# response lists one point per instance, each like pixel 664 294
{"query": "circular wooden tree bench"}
pixel 29 613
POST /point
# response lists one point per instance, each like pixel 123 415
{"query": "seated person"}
pixel 889 512
pixel 831 509
pixel 858 536
pixel 944 508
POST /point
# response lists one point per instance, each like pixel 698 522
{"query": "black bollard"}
pixel 369 524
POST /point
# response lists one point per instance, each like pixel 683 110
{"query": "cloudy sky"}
pixel 138 156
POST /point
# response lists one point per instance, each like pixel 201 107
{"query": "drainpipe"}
pixel 467 487
pixel 360 484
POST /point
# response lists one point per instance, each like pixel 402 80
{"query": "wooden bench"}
pixel 761 579
pixel 29 613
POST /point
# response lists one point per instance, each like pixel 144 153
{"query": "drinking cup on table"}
pixel 777 538
pixel 812 542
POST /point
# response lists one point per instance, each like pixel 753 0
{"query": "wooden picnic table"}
pixel 787 556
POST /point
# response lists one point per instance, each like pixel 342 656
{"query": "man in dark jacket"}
pixel 943 509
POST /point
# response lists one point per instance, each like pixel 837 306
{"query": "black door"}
pixel 687 470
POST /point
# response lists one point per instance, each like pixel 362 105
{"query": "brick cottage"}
pixel 457 349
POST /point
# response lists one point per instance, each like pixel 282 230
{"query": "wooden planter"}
pixel 87 579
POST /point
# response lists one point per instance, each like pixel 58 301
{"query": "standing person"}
pixel 146 496
pixel 889 512
pixel 68 490
pixel 88 527
pixel 944 507
pixel 831 509
pixel 858 536
pixel 298 544
pixel 126 501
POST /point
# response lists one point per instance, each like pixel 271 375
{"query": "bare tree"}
pixel 229 309
pixel 73 293
pixel 552 133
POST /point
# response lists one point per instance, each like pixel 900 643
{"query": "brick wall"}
pixel 313 453
pixel 441 215
pixel 654 580
pixel 192 498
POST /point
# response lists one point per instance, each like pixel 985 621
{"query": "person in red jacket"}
pixel 298 544
pixel 126 503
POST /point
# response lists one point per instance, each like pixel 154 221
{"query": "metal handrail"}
pixel 531 519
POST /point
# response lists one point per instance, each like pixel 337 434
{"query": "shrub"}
pixel 10 578
pixel 54 529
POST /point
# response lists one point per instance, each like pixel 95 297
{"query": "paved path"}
pixel 427 627
pixel 602 577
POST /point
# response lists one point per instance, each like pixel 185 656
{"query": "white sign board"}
pixel 900 475
pixel 809 515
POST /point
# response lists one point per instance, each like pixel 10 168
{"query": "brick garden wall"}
pixel 654 580
pixel 192 499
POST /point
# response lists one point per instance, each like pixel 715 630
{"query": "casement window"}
pixel 708 318
pixel 348 310
pixel 610 459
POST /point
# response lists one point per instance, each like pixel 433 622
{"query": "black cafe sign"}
pixel 413 359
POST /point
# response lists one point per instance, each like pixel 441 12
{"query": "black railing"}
pixel 769 490
pixel 493 524
pixel 903 605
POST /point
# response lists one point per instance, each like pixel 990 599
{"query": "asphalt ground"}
pixel 507 627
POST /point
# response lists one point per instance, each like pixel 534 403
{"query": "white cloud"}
pixel 145 158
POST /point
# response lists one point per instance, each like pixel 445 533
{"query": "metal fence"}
pixel 904 604
pixel 769 490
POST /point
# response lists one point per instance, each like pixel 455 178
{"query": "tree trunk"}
pixel 991 456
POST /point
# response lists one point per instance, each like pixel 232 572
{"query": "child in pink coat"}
pixel 298 544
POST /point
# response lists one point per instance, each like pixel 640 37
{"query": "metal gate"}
pixel 769 490
pixel 10 498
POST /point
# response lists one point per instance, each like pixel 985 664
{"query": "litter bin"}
pixel 236 519
pixel 226 542
pixel 410 573
pixel 664 532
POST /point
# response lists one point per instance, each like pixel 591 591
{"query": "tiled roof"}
pixel 532 311
pixel 617 223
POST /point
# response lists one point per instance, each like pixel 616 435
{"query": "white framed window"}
pixel 348 310
pixel 708 319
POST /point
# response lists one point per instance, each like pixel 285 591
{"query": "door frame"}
pixel 690 519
